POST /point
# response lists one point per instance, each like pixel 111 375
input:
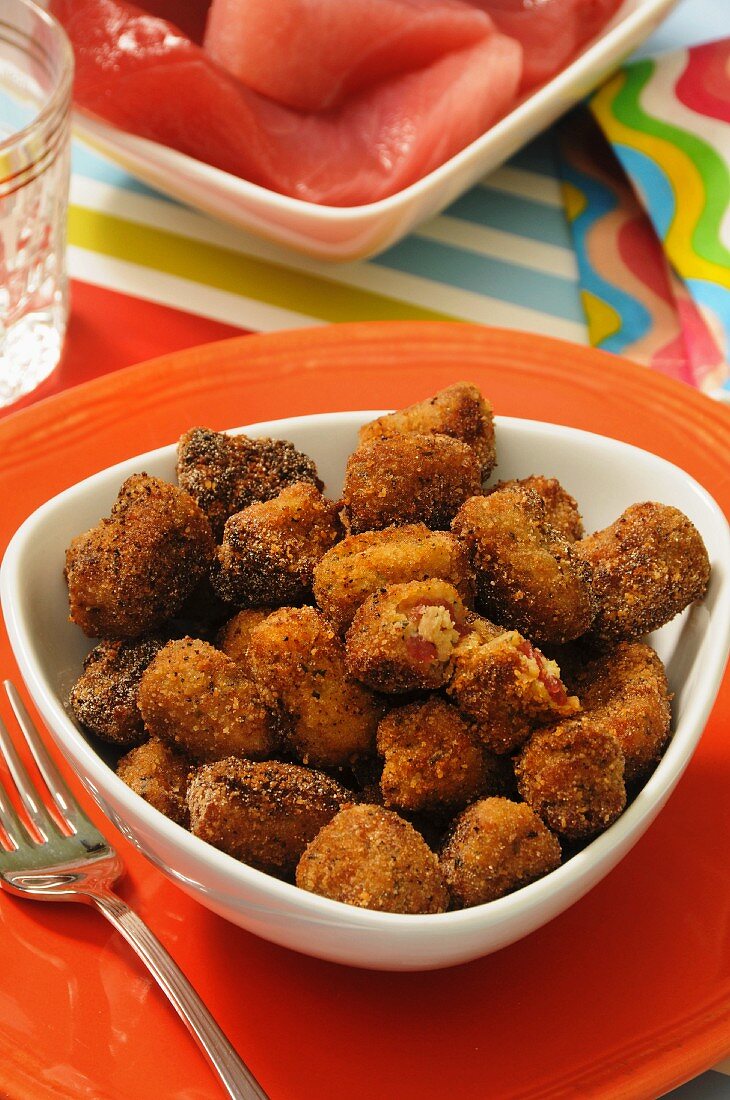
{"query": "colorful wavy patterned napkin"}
pixel 650 213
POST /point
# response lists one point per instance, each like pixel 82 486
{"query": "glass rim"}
pixel 59 101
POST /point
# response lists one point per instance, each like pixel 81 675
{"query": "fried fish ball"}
pixel 561 509
pixel 408 479
pixel 234 636
pixel 263 814
pixel 134 570
pixel 104 698
pixel 506 686
pixel 626 691
pixel 647 567
pixel 433 761
pixel 572 775
pixel 528 575
pixel 298 662
pixel 361 564
pixel 196 699
pixel 403 636
pixel 226 473
pixel 496 846
pixel 159 774
pixel 269 550
pixel 459 411
pixel 372 858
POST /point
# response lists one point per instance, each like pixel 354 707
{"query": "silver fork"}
pixel 83 867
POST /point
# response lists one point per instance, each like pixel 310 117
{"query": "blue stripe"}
pixel 484 275
pixel 653 186
pixel 512 214
pixel 87 163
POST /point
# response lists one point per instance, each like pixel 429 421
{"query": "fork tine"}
pixel 11 823
pixel 34 807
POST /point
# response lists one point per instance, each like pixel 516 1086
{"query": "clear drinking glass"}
pixel 36 73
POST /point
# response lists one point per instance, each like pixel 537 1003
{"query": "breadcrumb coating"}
pixel 372 858
pixel 104 698
pixel 496 846
pixel 561 509
pixel 234 636
pixel 159 774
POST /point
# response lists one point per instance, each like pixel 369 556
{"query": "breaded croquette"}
pixel 134 570
pixel 298 663
pixel 506 686
pixel 561 509
pixel 572 775
pixel 372 858
pixel 408 479
pixel 626 691
pixel 495 847
pixel 269 550
pixel 196 699
pixel 361 564
pixel 159 774
pixel 234 636
pixel 264 814
pixel 226 473
pixel 403 636
pixel 104 698
pixel 433 761
pixel 647 567
pixel 459 411
pixel 528 575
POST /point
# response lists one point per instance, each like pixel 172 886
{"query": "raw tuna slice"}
pixel 312 54
pixel 143 75
pixel 550 31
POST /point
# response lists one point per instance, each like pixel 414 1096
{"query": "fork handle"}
pixel 236 1078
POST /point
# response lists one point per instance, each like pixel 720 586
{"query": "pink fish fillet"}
pixel 142 74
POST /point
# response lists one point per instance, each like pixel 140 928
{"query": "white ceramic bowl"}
pixel 604 475
pixel 335 233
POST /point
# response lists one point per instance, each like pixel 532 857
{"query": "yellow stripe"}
pixel 234 272
pixel 686 181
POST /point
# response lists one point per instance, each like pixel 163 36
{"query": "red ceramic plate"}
pixel 625 995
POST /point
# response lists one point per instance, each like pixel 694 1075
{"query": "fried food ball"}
pixel 234 636
pixel 528 575
pixel 372 858
pixel 408 479
pixel 269 550
pixel 134 570
pixel 298 663
pixel 196 699
pixel 263 814
pixel 647 567
pixel 104 698
pixel 561 509
pixel 496 846
pixel 626 691
pixel 433 761
pixel 572 774
pixel 226 473
pixel 506 686
pixel 361 564
pixel 403 636
pixel 459 411
pixel 159 775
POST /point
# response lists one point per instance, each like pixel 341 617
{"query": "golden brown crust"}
pixel 234 636
pixel 496 846
pixel 528 575
pixel 361 564
pixel 136 568
pixel 263 814
pixel 160 775
pixel 459 411
pixel 647 567
pixel 196 699
pixel 104 698
pixel 298 662
pixel 269 550
pixel 372 858
pixel 227 473
pixel 561 509
pixel 572 775
pixel 408 479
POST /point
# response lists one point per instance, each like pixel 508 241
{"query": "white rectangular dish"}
pixel 348 233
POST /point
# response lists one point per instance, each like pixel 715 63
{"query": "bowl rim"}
pixel 300 904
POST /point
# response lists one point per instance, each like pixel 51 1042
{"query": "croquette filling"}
pixel 547 676
pixel 431 633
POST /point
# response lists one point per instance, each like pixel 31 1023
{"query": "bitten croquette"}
pixel 136 568
pixel 372 858
pixel 104 698
pixel 159 774
pixel 495 846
